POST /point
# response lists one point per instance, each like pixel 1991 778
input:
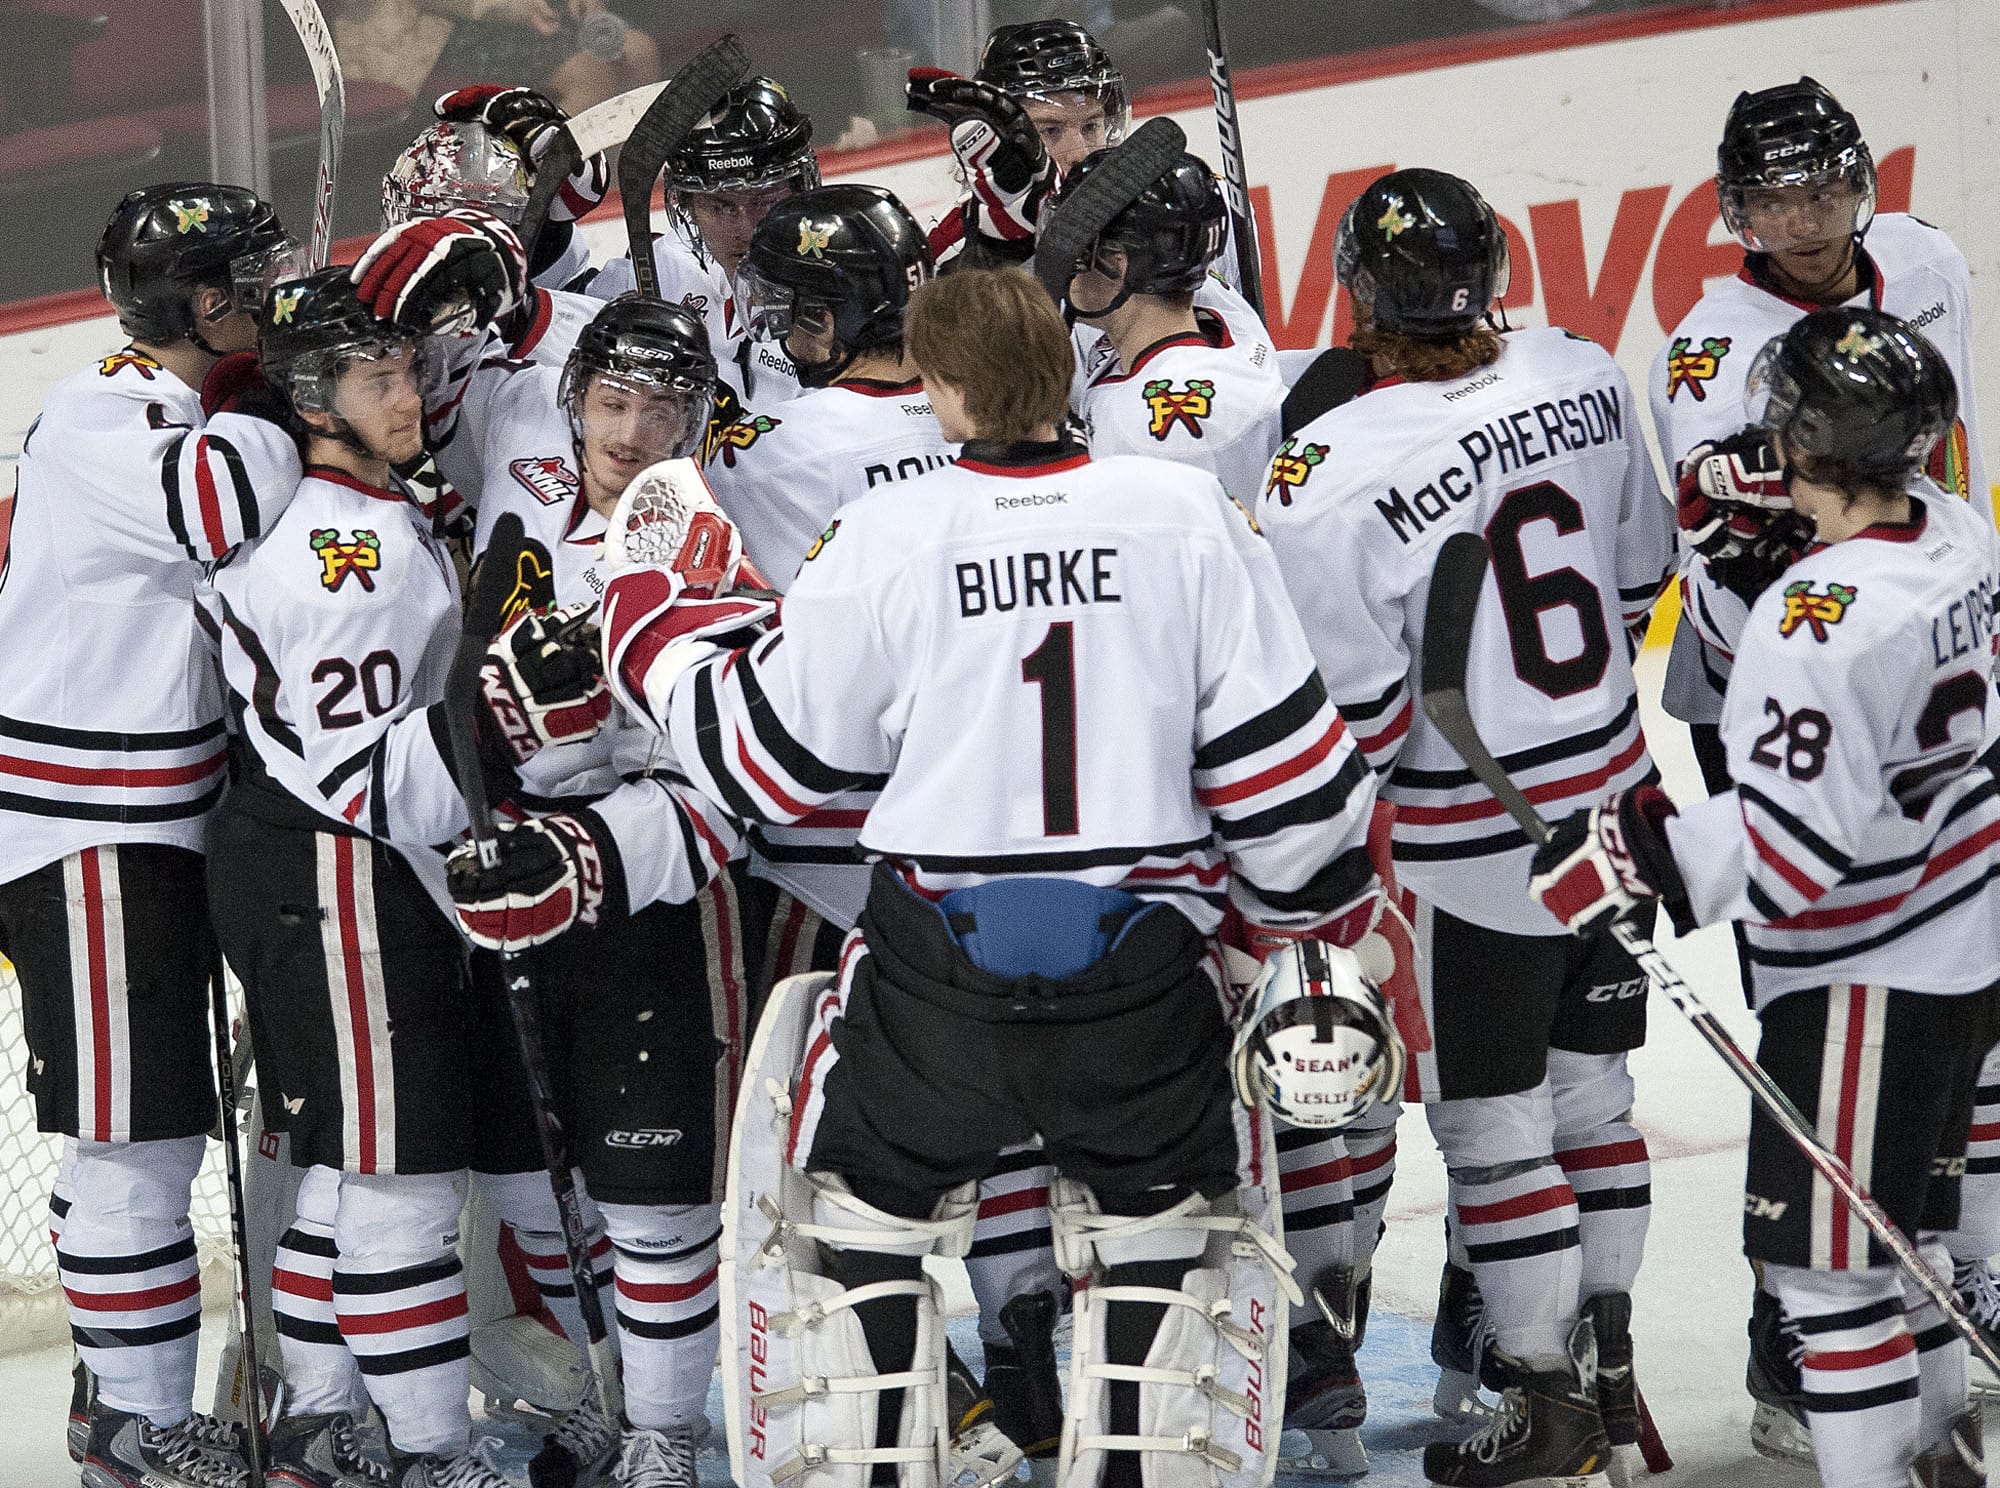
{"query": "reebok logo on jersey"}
pixel 138 361
pixel 1803 608
pixel 1187 407
pixel 361 556
pixel 1038 498
pixel 1290 467
pixel 1693 370
pixel 740 435
pixel 547 478
pixel 1924 317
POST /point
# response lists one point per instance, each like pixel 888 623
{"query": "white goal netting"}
pixel 31 1313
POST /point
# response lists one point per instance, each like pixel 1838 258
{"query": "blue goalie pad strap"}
pixel 1052 928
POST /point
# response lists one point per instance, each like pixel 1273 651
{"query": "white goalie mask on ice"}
pixel 1315 1041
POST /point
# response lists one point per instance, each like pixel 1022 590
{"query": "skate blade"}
pixel 1776 1436
pixel 1321 1455
pixel 1457 1399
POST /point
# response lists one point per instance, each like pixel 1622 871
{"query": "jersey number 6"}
pixel 1525 598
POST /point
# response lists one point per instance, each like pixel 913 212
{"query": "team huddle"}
pixel 910 743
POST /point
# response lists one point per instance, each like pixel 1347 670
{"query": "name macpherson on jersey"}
pixel 1861 843
pixel 1541 451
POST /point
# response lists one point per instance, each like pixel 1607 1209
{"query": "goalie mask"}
pixel 1858 393
pixel 1422 252
pixel 323 350
pixel 1315 1041
pixel 453 165
pixel 165 242
pixel 637 388
pixel 1793 170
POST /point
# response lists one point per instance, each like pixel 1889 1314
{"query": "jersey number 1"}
pixel 1051 667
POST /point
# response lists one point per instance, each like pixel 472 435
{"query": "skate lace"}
pixel 1510 1420
pixel 1976 1283
pixel 473 1468
pixel 193 1462
pixel 655 1459
pixel 216 1435
pixel 347 1454
pixel 583 1432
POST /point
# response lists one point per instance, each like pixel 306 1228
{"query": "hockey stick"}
pixel 691 93
pixel 491 590
pixel 1067 233
pixel 1235 176
pixel 1454 597
pixel 591 132
pixel 252 1390
pixel 332 86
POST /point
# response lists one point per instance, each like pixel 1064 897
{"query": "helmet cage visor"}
pixel 662 416
pixel 1789 205
pixel 318 381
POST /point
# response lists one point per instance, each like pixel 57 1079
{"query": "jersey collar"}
pixel 1212 331
pixel 1021 458
pixel 1754 274
pixel 875 387
pixel 1900 532
pixel 337 477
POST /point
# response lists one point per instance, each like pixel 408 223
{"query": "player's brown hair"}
pixel 997 337
pixel 1425 361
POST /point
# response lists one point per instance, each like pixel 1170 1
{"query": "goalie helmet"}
pixel 754 138
pixel 853 252
pixel 164 242
pixel 314 328
pixel 649 345
pixel 1046 59
pixel 1424 253
pixel 456 164
pixel 1315 1041
pixel 1172 231
pixel 1793 135
pixel 1860 393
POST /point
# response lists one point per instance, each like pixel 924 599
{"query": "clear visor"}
pixel 251 275
pixel 748 190
pixel 638 421
pixel 1771 400
pixel 1075 123
pixel 1800 209
pixel 768 310
pixel 385 377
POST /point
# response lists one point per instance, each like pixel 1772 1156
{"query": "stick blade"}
pixel 1144 156
pixel 692 92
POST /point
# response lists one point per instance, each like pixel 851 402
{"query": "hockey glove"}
pixel 1006 165
pixel 443 275
pixel 655 629
pixel 551 875
pixel 541 681
pixel 236 384
pixel 529 121
pixel 451 515
pixel 1600 863
pixel 1734 510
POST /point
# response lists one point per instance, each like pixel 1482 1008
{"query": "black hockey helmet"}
pixel 1172 231
pixel 1044 59
pixel 314 327
pixel 1424 253
pixel 756 136
pixel 1795 134
pixel 1863 395
pixel 649 344
pixel 853 251
pixel 164 242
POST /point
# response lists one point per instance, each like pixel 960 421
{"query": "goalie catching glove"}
pixel 443 275
pixel 1602 863
pixel 541 682
pixel 1006 165
pixel 528 121
pixel 551 874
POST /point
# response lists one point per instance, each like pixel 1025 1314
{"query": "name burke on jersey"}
pixel 1515 441
pixel 1036 579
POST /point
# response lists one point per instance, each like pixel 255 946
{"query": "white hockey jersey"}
pixel 1540 451
pixel 781 476
pixel 760 372
pixel 546 340
pixel 111 723
pixel 1063 667
pixel 1861 843
pixel 1210 399
pixel 1696 387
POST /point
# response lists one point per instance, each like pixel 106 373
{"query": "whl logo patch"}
pixel 547 478
pixel 1188 407
pixel 1804 608
pixel 1694 370
pixel 360 556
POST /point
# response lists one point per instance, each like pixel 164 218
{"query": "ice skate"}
pixel 1545 1431
pixel 1778 1424
pixel 579 1451
pixel 82 1396
pixel 320 1450
pixel 1325 1402
pixel 982 1454
pixel 471 1468
pixel 1960 1463
pixel 1458 1344
pixel 1021 1377
pixel 655 1459
pixel 128 1451
pixel 1978 1290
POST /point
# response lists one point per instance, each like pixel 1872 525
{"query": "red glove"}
pixel 529 121
pixel 442 275
pixel 236 384
pixel 1600 863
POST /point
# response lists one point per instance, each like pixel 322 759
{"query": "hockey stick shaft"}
pixel 331 84
pixel 252 1389
pixel 1449 613
pixel 490 590
pixel 692 91
pixel 1235 175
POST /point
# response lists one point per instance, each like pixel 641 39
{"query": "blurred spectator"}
pixel 578 52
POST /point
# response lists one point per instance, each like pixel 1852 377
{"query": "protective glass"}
pixel 1792 209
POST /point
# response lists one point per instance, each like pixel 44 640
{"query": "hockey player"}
pixel 1797 186
pixel 1183 368
pixel 1519 1046
pixel 1858 850
pixel 335 631
pixel 115 757
pixel 747 155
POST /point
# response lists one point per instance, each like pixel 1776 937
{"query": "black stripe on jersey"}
pixel 1274 725
pixel 1804 835
pixel 379 1283
pixel 264 695
pixel 345 771
pixel 708 733
pixel 170 483
pixel 154 1333
pixel 1340 1211
pixel 1766 956
pixel 1374 708
pixel 113 811
pixel 1322 803
pixel 246 499
pixel 1636 592
pixel 1048 862
pixel 173 1253
pixel 448 1352
pixel 1854 1317
pixel 1460 847
pixel 1890 867
pixel 1601 1200
pixel 807 768
pixel 1524 1246
pixel 1035 1237
pixel 832 854
pixel 378 789
pixel 1340 882
pixel 309 1244
pixel 69 738
pixel 1762 902
pixel 1525 759
pixel 1718 680
pixel 1825 1401
pixel 308 1332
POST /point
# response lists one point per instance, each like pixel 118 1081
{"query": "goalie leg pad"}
pixel 800 1382
pixel 1211 1386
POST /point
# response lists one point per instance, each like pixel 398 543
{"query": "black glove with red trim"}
pixel 1734 510
pixel 542 682
pixel 1006 165
pixel 528 120
pixel 1599 864
pixel 552 874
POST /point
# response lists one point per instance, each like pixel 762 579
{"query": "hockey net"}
pixel 31 1306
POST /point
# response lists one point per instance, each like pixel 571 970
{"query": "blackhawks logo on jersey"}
pixel 1291 466
pixel 1805 608
pixel 734 438
pixel 1189 406
pixel 822 540
pixel 118 361
pixel 1694 370
pixel 360 555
